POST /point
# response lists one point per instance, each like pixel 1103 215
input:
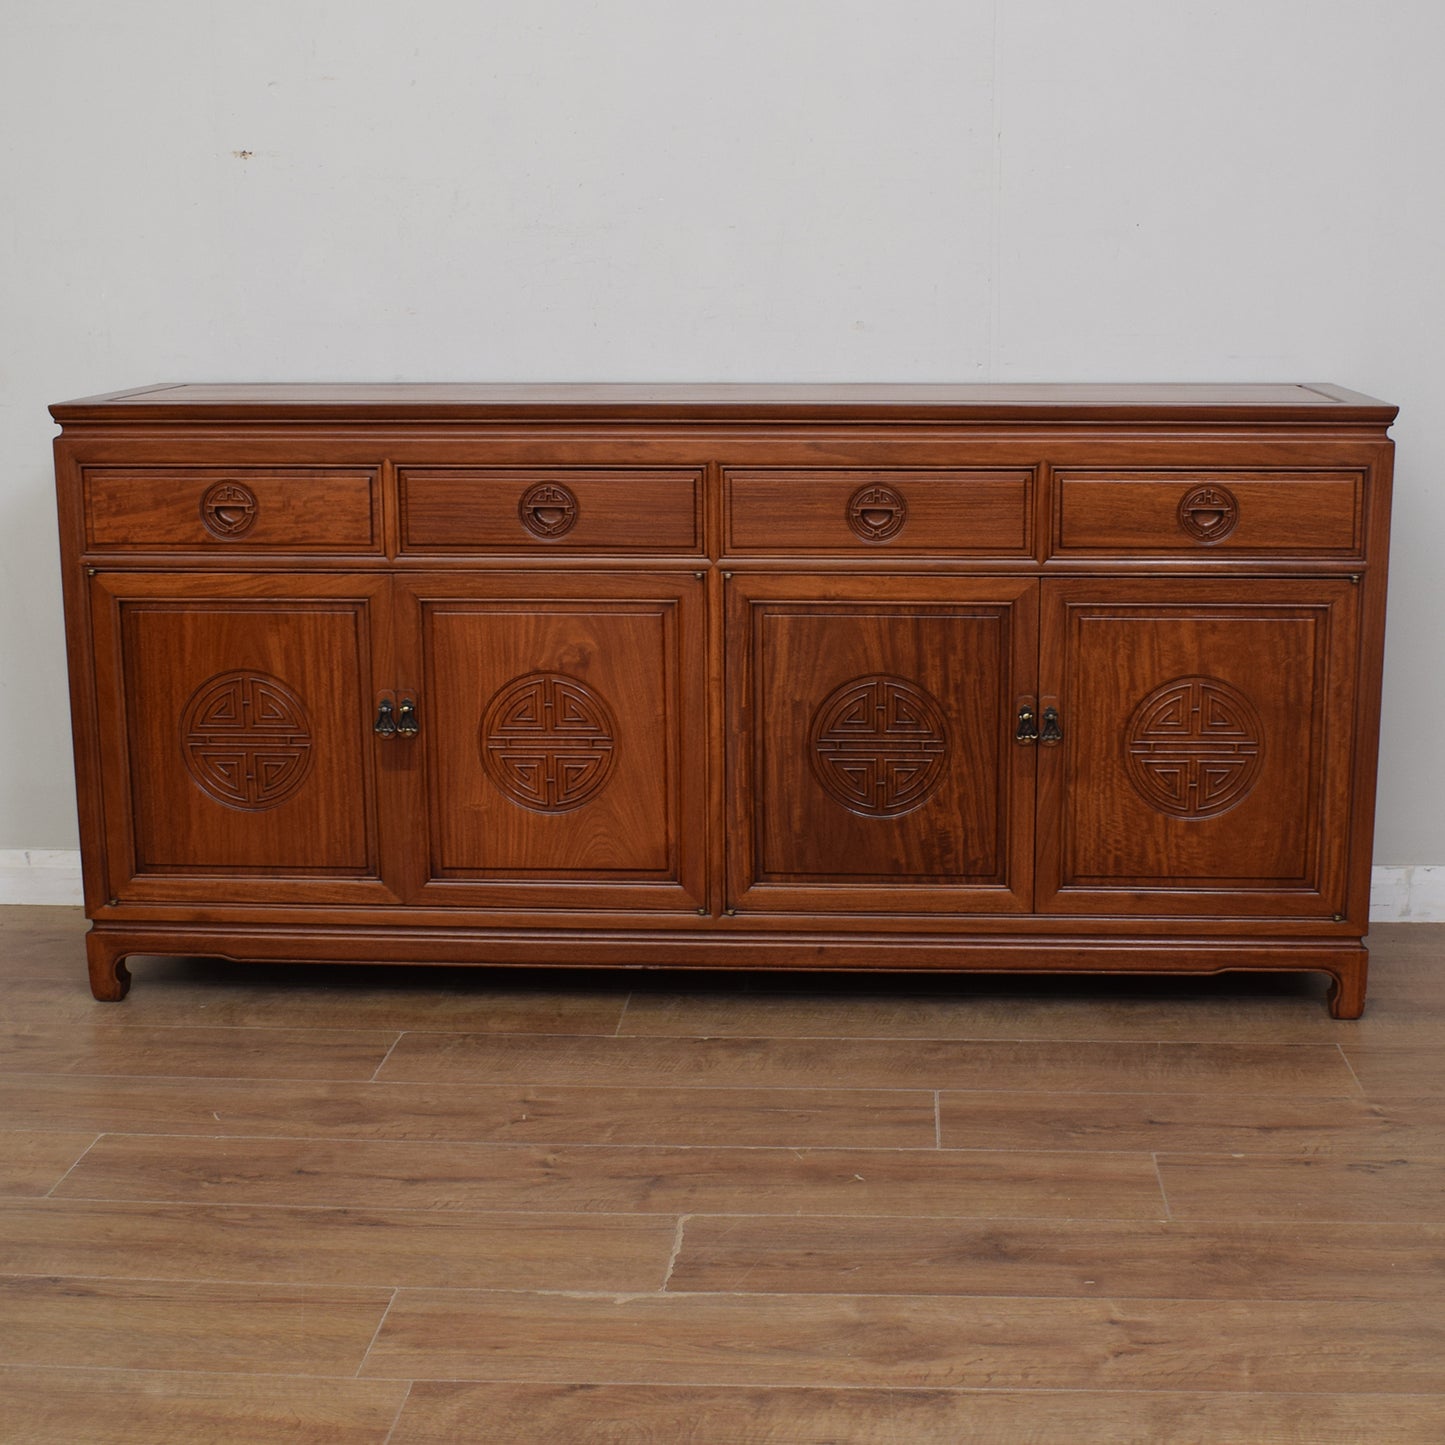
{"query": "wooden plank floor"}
pixel 428 1207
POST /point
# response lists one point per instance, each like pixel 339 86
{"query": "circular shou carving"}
pixel 246 740
pixel 1194 747
pixel 548 742
pixel 877 513
pixel 548 510
pixel 228 509
pixel 1209 513
pixel 879 746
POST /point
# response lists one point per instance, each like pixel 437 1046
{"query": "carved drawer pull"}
pixel 228 510
pixel 877 513
pixel 1209 514
pixel 548 510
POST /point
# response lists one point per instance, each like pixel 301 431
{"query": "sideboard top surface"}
pixel 264 403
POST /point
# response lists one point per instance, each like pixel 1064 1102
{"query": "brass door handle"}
pixel 1053 730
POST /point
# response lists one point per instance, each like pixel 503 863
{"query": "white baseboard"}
pixel 40 875
pixel 1412 894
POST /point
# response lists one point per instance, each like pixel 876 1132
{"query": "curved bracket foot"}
pixel 1347 988
pixel 109 977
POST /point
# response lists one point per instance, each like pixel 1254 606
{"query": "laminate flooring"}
pixel 418 1207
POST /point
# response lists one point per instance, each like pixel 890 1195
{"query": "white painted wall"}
pixel 683 189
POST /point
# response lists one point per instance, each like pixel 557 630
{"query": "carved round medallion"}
pixel 548 742
pixel 877 513
pixel 1194 747
pixel 548 510
pixel 1209 514
pixel 879 746
pixel 246 740
pixel 228 509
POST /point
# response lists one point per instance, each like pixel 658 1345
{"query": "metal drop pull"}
pixel 385 724
pixel 1053 731
pixel 1028 728
pixel 407 725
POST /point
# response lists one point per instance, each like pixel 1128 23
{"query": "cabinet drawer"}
pixel 904 513
pixel 577 510
pixel 202 509
pixel 1185 513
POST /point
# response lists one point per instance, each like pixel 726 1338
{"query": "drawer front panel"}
pixel 568 509
pixel 212 509
pixel 1188 513
pixel 882 512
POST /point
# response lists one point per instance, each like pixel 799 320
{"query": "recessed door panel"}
pixel 239 709
pixel 563 723
pixel 1204 766
pixel 874 764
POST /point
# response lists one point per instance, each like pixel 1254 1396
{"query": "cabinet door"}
pixel 1205 763
pixel 235 720
pixel 873 766
pixel 563 735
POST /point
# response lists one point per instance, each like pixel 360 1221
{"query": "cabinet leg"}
pixel 109 977
pixel 1347 987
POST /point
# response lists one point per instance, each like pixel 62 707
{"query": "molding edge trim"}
pixel 1414 893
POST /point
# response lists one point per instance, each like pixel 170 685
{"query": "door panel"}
pixel 563 719
pixel 1207 736
pixel 872 754
pixel 239 709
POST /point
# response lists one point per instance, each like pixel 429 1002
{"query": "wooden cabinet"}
pixel 1205 762
pixel 562 752
pixel 872 767
pixel 232 718
pixel 1069 678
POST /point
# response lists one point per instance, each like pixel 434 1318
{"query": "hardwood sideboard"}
pixel 1066 678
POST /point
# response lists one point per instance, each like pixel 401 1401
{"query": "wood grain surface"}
pixel 914 1341
pixel 406 1208
pixel 496 1113
pixel 464 673
pixel 50 1406
pixel 440 1414
pixel 1072 1066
